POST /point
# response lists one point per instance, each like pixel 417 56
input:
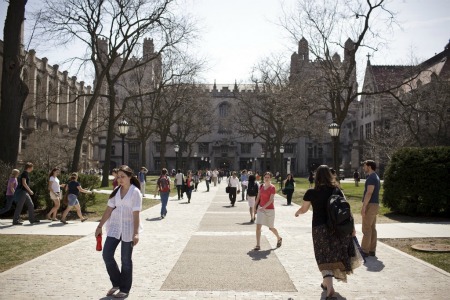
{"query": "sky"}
pixel 236 34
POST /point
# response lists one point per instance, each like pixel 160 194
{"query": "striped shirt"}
pixel 121 224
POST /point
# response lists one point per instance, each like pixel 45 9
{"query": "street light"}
pixel 176 148
pixel 254 169
pixel 123 130
pixel 195 160
pixel 262 162
pixel 281 166
pixel 288 166
pixel 334 129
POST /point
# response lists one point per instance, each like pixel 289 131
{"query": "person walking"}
pixel 370 208
pixel 189 186
pixel 179 181
pixel 54 188
pixel 244 183
pixel 22 196
pixel 114 174
pixel 289 186
pixel 207 179
pixel 10 190
pixel 73 188
pixel 233 183
pixel 196 179
pixel 265 210
pixel 311 179
pixel 332 253
pixel 356 177
pixel 163 186
pixel 123 225
pixel 141 176
pixel 214 176
pixel 252 192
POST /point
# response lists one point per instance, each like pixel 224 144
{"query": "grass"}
pixel 17 249
pixel 440 260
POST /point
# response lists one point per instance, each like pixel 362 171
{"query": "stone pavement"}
pixel 167 263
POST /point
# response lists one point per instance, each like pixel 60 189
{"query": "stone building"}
pixel 55 104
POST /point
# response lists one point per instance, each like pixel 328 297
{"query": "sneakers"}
pixel 17 223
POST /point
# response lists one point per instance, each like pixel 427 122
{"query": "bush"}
pixel 416 182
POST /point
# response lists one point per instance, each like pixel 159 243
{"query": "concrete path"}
pixel 167 256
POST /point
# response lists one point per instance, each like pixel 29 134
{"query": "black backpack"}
pixel 252 189
pixel 340 219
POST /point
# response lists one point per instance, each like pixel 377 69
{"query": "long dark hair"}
pixel 251 179
pixel 133 179
pixel 323 178
pixel 52 172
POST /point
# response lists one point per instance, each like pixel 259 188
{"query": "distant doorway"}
pixel 224 164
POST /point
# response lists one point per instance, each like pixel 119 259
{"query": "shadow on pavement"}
pixel 246 223
pixel 153 219
pixel 374 265
pixel 258 255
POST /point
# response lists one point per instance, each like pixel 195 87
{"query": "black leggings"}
pixel 289 196
pixel 232 195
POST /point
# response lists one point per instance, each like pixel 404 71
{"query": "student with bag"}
pixel 163 185
pixel 252 192
pixel 333 253
pixel 234 187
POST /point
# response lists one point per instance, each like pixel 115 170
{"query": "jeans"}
pixel 164 199
pixel 289 193
pixel 22 197
pixel 8 204
pixel 207 184
pixel 180 191
pixel 244 189
pixel 124 278
pixel 189 193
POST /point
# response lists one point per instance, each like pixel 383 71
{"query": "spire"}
pixel 368 59
pixel 235 86
pixel 256 87
pixel 215 86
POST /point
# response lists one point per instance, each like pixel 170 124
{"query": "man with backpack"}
pixel 163 184
pixel 370 208
pixel 252 192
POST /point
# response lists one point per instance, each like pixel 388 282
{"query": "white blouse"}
pixel 55 184
pixel 121 223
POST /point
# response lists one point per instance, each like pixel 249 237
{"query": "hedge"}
pixel 416 182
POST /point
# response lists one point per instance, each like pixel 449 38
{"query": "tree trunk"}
pixel 143 151
pixel 162 154
pixel 109 138
pixel 14 90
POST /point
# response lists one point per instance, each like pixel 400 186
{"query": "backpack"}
pixel 340 219
pixel 164 184
pixel 252 189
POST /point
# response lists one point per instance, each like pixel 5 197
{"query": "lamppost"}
pixel 251 163
pixel 201 163
pixel 195 160
pixel 281 166
pixel 334 129
pixel 254 169
pixel 176 148
pixel 123 130
pixel 288 166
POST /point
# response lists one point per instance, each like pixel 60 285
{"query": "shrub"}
pixel 416 182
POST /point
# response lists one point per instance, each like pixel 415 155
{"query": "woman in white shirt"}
pixel 122 214
pixel 55 193
pixel 233 183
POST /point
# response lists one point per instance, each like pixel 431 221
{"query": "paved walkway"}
pixel 167 263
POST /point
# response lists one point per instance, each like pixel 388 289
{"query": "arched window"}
pixel 223 110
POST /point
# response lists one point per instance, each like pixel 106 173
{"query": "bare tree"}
pixel 14 90
pixel 120 26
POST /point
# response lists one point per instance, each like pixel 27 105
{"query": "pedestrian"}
pixel 189 186
pixel 196 179
pixel 252 192
pixel 73 188
pixel 370 208
pixel 332 253
pixel 54 188
pixel 335 178
pixel 233 183
pixel 22 196
pixel 10 190
pixel 214 176
pixel 114 174
pixel 265 210
pixel 208 179
pixel 163 186
pixel 141 175
pixel 122 226
pixel 220 175
pixel 179 181
pixel 244 183
pixel 356 177
pixel 258 177
pixel 289 186
pixel 311 179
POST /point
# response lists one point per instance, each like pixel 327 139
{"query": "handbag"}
pixel 283 191
pixel 228 188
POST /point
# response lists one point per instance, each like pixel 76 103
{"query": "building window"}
pixel 157 147
pixel 320 151
pixel 84 149
pixel 133 148
pixel 223 110
pixel 203 147
pixel 289 148
pixel 113 150
pixel 368 130
pixel 361 133
pixel 310 152
pixel 24 142
pixel 157 164
pixel 246 148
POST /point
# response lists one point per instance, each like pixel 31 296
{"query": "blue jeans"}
pixel 22 198
pixel 164 199
pixel 124 278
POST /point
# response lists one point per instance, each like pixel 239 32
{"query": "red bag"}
pixel 99 243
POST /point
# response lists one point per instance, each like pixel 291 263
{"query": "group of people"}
pixel 18 190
